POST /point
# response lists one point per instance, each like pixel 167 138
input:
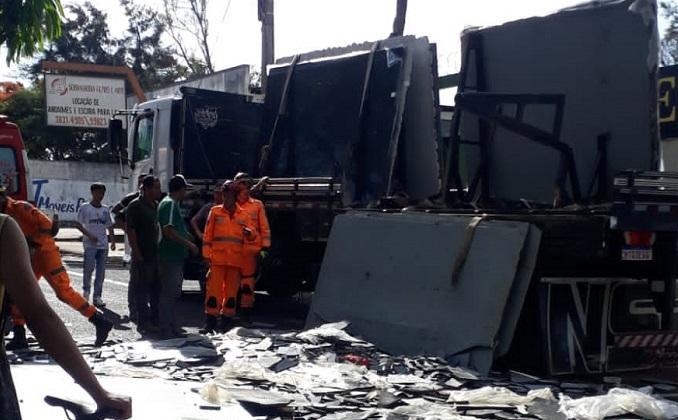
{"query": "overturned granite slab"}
pixel 418 283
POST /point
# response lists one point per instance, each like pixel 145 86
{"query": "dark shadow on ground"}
pixel 269 312
pixel 74 260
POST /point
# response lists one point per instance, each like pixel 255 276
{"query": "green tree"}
pixel 25 25
pixel 154 64
pixel 87 39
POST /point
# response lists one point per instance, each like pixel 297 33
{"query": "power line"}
pixel 223 19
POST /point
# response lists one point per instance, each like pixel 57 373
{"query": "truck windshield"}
pixel 143 138
pixel 9 176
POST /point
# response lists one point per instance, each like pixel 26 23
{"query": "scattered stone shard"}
pixel 324 383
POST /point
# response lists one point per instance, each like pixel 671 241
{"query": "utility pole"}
pixel 267 38
pixel 399 21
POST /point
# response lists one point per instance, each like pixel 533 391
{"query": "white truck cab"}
pixel 148 141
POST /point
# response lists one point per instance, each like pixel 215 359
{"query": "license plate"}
pixel 636 254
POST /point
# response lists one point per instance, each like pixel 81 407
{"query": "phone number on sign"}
pixel 86 121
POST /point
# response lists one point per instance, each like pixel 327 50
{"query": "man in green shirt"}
pixel 174 247
pixel 143 233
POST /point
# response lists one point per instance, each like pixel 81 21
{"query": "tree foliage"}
pixel 86 38
pixel 26 25
pixel 155 65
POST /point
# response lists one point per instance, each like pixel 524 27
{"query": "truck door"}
pixel 141 147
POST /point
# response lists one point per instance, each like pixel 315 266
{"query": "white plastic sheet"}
pixel 426 410
pixel 334 330
pixel 497 395
pixel 216 393
pixel 618 401
pixel 113 367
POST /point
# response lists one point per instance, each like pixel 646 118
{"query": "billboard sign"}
pixel 77 101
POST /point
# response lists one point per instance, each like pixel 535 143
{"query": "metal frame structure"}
pixel 489 109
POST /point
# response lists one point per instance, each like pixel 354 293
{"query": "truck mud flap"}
pixel 390 275
pixel 602 325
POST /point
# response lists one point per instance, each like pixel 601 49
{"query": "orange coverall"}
pixel 45 257
pixel 223 247
pixel 257 217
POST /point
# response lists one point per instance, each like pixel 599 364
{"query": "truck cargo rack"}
pixel 645 200
pixel 295 193
pixel 491 110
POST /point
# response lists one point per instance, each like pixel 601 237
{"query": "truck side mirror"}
pixel 114 134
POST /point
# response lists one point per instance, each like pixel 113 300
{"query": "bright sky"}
pixel 306 25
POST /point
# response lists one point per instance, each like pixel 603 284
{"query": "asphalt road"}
pixel 286 313
pixel 269 312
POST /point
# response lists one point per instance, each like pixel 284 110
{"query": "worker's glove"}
pixel 248 233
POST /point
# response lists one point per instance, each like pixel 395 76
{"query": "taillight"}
pixel 639 238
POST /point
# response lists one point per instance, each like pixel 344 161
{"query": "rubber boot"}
pixel 246 316
pixel 102 326
pixel 210 325
pixel 19 341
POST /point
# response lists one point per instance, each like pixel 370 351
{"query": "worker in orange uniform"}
pixel 251 251
pixel 226 232
pixel 46 261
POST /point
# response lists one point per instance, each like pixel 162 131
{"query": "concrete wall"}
pixel 64 186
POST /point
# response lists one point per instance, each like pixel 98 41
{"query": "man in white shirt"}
pixel 94 219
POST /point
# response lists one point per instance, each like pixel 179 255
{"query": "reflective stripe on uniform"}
pixel 59 270
pixel 233 239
